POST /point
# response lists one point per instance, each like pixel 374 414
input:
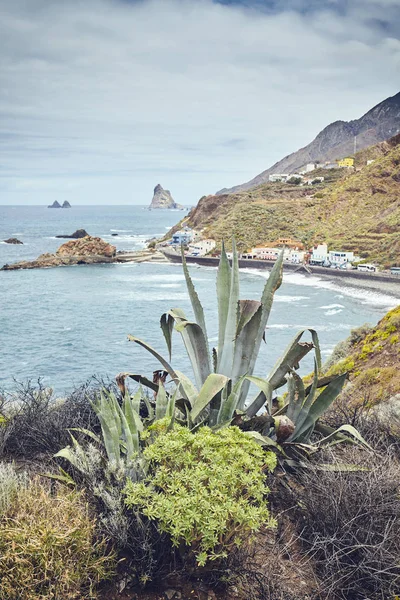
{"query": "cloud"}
pixel 106 98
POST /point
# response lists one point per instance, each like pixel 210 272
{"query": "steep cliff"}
pixel 336 141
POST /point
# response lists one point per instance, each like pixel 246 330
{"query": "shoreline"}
pixel 376 282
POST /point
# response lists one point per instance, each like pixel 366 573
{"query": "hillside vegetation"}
pixel 352 210
pixel 371 357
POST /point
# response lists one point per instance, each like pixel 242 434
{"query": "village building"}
pixel 319 255
pixel 202 247
pixel 182 237
pixel 338 258
pixel 346 162
pixel 279 177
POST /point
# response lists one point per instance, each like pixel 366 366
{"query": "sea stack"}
pixel 163 199
pixel 66 204
pixel 55 204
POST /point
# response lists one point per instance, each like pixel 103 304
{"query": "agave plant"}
pixel 120 432
pixel 222 375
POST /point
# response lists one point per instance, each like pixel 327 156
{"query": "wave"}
pixel 334 311
pixel 121 230
pixel 333 306
pixel 279 298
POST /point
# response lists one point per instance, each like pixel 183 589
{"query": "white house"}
pixel 319 254
pixel 201 247
pixel 337 258
pixel 279 177
pixel 296 256
pixel 183 236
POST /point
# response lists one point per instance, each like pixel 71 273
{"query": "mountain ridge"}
pixel 335 141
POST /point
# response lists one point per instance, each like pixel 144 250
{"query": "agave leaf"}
pixel 142 380
pixel 244 344
pixel 247 309
pixel 264 397
pixel 110 428
pixel 340 467
pixel 68 455
pixel 86 432
pixel 229 405
pixel 273 283
pixel 161 403
pixel 263 440
pixel 149 407
pixel 167 325
pixel 133 421
pixel 129 436
pixel 341 438
pixel 196 346
pixel 223 286
pixel 64 477
pixel 306 421
pixel 296 396
pixel 186 386
pixel 225 354
pixel 194 299
pixel 135 400
pixel 156 354
pixel 292 356
pixel 212 386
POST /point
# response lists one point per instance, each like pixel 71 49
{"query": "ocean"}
pixel 68 324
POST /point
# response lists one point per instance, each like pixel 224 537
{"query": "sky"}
pixel 100 100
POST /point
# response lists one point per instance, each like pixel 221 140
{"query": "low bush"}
pixel 205 490
pixel 48 548
pixel 351 527
pixel 35 422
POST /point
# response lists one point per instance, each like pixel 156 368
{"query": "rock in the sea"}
pixel 13 241
pixel 87 250
pixel 66 204
pixel 54 205
pixel 78 234
pixel 163 199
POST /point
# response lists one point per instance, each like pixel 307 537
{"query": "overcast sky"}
pixel 100 100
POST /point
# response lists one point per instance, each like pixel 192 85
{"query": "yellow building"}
pixel 348 161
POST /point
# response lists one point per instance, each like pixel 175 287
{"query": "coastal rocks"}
pixel 56 204
pixel 87 247
pixel 163 199
pixel 13 241
pixel 78 234
pixel 87 250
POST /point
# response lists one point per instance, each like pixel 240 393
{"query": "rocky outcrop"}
pixel 163 199
pixel 13 241
pixel 54 205
pixel 78 234
pixel 66 204
pixel 336 141
pixel 87 250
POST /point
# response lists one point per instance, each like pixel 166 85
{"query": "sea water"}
pixel 66 324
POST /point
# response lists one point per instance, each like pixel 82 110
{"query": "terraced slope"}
pixel 356 210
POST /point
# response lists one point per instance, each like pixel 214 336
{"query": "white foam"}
pixel 333 306
pixel 121 230
pixel 334 311
pixel 279 298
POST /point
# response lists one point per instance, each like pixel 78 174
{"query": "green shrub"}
pixel 48 549
pixel 206 490
pixel 10 483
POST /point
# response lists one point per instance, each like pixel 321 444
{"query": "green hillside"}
pixel 352 210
